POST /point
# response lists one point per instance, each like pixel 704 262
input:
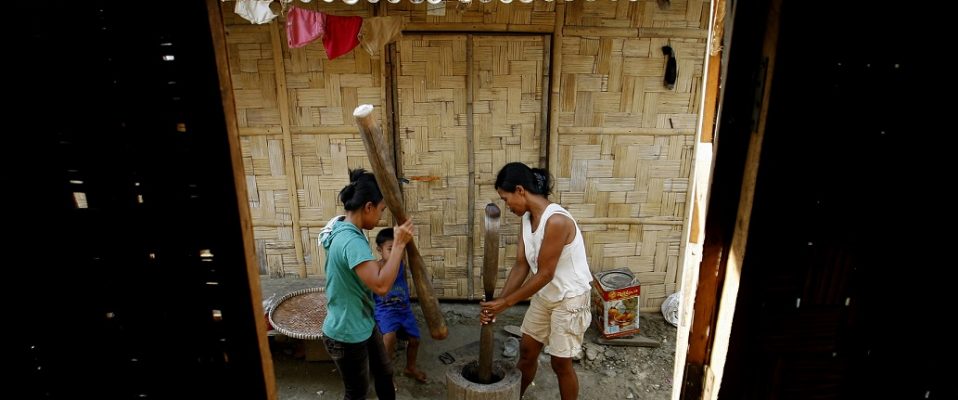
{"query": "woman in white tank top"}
pixel 552 249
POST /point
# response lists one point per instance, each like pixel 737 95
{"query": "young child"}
pixel 393 314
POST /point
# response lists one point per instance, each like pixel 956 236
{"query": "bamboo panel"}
pixel 320 95
pixel 251 65
pixel 508 77
pixel 433 143
pixel 624 139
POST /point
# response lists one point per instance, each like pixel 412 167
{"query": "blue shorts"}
pixel 401 321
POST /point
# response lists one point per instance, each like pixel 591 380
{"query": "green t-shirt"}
pixel 349 306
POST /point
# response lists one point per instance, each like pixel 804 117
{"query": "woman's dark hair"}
pixel 534 180
pixel 362 189
pixel 384 236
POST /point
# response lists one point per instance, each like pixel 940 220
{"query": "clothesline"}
pixel 351 2
pixel 340 34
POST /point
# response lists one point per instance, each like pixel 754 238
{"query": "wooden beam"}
pixel 253 131
pixel 275 223
pixel 711 98
pixel 725 240
pixel 309 130
pixel 553 140
pixel 601 31
pixel 630 341
pixel 679 33
pixel 626 221
pixel 471 165
pixel 544 117
pixel 736 256
pixel 705 304
pixel 218 33
pixel 691 260
pixel 323 130
pixel 713 73
pixel 393 95
pixel 466 27
pixel 386 86
pixel 284 118
pixel 589 130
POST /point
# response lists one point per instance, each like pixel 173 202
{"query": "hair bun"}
pixel 356 174
pixel 542 181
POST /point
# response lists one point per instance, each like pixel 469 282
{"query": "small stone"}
pixel 591 353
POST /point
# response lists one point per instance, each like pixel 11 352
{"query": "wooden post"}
pixel 218 32
pixel 292 178
pixel 554 83
pixel 471 161
pixel 490 268
pixel 389 185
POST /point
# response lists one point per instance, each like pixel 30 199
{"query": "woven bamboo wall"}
pixel 431 83
pixel 302 141
pixel 508 82
pixel 625 141
pixel 620 142
pixel 447 84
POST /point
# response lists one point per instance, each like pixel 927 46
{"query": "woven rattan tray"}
pixel 300 314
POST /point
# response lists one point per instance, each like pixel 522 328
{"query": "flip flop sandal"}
pixel 447 358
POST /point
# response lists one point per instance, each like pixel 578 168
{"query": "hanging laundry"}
pixel 255 11
pixel 341 35
pixel 304 26
pixel 378 32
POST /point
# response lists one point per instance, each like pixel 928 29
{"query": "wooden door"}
pixel 507 111
pixel 466 105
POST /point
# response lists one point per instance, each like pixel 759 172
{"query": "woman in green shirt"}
pixel 352 275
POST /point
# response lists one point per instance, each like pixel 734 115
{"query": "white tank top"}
pixel 572 274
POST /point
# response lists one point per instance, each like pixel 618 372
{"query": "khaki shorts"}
pixel 560 325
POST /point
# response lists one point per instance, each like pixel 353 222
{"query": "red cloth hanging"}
pixel 342 35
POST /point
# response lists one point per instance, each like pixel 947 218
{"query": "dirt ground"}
pixel 605 372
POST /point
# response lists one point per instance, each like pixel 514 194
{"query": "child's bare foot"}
pixel 416 374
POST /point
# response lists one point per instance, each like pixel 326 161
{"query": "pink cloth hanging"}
pixel 304 26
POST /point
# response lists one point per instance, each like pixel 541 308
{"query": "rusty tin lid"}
pixel 616 279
